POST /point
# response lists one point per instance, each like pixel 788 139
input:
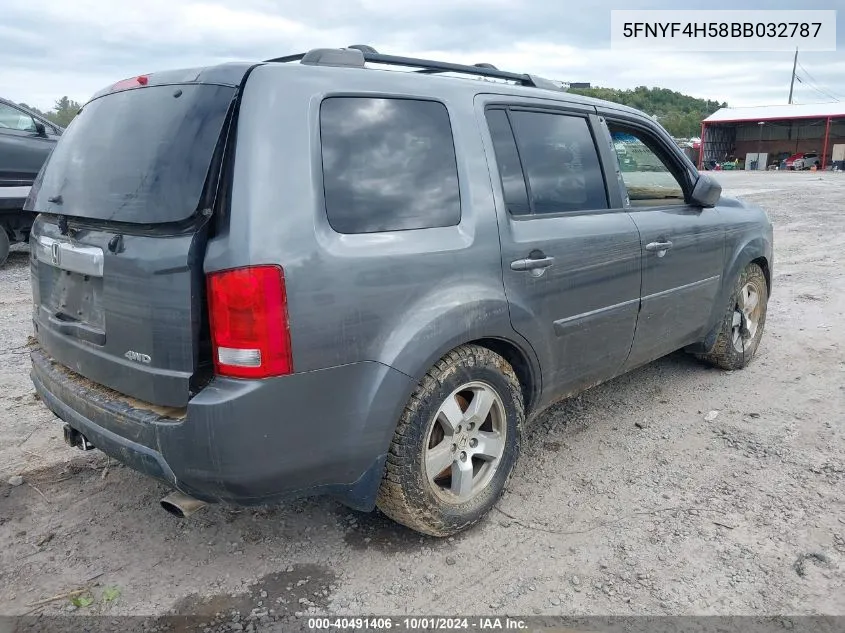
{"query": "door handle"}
pixel 532 264
pixel 658 246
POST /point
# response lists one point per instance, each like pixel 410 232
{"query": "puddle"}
pixel 273 597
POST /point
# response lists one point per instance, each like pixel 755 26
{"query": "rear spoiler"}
pixel 231 74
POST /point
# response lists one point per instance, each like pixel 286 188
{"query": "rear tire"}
pixel 456 444
pixel 743 323
pixel 5 243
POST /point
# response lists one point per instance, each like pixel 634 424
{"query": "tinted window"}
pixel 138 156
pixel 507 158
pixel 561 162
pixel 388 165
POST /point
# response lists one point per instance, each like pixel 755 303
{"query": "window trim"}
pixel 518 157
pixel 561 110
pixel 394 97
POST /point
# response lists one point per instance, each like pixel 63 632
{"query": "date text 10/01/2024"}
pixel 418 624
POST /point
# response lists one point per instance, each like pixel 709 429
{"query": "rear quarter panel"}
pixel 401 298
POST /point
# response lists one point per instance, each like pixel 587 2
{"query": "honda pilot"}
pixel 316 275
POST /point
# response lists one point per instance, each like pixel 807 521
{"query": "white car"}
pixel 803 161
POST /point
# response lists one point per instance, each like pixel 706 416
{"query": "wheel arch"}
pixel 474 312
pixel 751 251
pixel 518 353
pixel 526 371
pixel 763 263
pixel 509 345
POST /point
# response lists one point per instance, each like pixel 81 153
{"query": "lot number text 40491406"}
pixel 421 623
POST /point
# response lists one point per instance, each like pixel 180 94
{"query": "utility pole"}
pixel 792 83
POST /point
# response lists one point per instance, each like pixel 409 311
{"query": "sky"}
pixel 53 48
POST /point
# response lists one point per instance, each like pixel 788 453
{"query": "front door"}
pixel 570 252
pixel 682 245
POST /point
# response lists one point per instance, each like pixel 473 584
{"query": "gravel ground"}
pixel 629 499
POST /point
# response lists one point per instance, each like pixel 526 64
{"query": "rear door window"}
pixel 388 165
pixel 140 156
pixel 560 160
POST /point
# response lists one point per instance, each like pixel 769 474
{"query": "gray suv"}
pixel 311 275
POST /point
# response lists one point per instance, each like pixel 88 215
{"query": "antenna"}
pixel 792 83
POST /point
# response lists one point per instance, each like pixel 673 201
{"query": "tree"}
pixel 63 112
pixel 680 114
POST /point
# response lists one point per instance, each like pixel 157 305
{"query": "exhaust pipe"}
pixel 181 505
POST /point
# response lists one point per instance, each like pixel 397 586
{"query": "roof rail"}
pixel 358 55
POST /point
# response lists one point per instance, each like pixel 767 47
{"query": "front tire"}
pixel 456 444
pixel 742 326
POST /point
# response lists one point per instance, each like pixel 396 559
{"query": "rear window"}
pixel 139 156
pixel 388 165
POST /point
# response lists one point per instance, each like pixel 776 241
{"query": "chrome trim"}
pixel 564 326
pixel 694 284
pixel 13 193
pixel 85 260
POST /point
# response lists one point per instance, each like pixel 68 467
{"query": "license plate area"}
pixel 77 298
pixel 71 304
pixel 70 277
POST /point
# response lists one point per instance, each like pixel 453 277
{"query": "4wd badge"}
pixel 138 357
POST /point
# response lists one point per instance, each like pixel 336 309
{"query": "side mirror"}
pixel 40 130
pixel 706 192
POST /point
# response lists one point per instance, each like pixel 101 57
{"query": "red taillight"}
pixel 132 82
pixel 248 314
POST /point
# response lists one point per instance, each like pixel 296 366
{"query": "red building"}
pixel 778 131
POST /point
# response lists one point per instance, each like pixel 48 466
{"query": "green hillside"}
pixel 680 114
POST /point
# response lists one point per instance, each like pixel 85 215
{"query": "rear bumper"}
pixel 245 442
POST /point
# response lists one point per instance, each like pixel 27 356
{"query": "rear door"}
pixel 683 244
pixel 570 253
pixel 126 200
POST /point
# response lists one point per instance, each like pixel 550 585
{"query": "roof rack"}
pixel 358 55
